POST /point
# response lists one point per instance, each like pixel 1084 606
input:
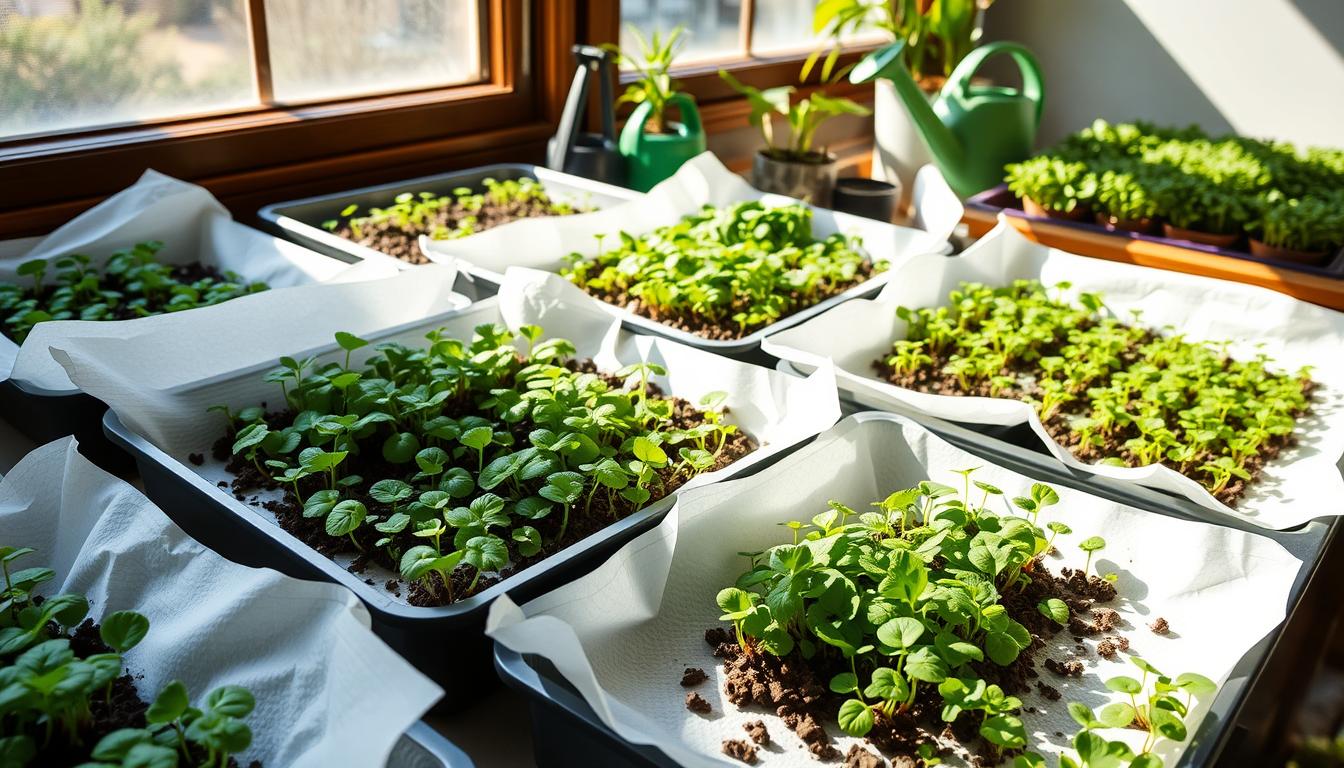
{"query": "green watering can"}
pixel 972 131
pixel 652 157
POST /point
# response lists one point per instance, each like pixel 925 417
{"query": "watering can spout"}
pixel 888 64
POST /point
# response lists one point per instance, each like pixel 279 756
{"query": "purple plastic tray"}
pixel 1000 200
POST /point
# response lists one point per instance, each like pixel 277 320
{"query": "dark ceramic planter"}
pixel 810 182
pixel 869 198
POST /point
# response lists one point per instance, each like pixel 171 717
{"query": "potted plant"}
pixel 939 34
pixel 1302 230
pixel 654 145
pixel 790 165
pixel 1053 187
pixel 1123 199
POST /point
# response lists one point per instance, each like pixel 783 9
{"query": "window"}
pixel 70 65
pixel 727 29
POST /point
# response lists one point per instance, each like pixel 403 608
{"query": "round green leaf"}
pixel 231 700
pixel 1054 609
pixel 855 718
pixel 902 632
pixel 1125 684
pixel 390 491
pixel 123 630
pixel 400 448
pixel 169 705
pixel 345 517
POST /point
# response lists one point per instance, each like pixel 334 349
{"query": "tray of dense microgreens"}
pixel 1228 395
pixel 924 606
pixel 123 642
pixel 436 464
pixel 702 258
pixel 1230 195
pixel 156 248
pixel 386 221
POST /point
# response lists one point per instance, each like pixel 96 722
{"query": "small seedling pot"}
pixel 1032 208
pixel 869 198
pixel 1195 236
pixel 812 182
pixel 1259 248
pixel 1142 226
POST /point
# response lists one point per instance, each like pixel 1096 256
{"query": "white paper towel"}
pixel 1303 483
pixel 155 395
pixel 193 227
pixel 623 633
pixel 328 691
pixel 543 243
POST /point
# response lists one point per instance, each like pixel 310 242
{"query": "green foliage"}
pixel 653 80
pixel 938 33
pixel 449 217
pixel 1158 710
pixel 908 594
pixel 49 694
pixel 461 454
pixel 745 263
pixel 804 117
pixel 1229 185
pixel 131 284
pixel 1108 390
pixel 1053 183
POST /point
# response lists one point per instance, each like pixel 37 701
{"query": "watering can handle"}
pixel 690 116
pixel 1033 84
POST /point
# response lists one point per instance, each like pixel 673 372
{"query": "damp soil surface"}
pixel 726 329
pixel 796 690
pixel 122 707
pixel 931 379
pixel 369 464
pixel 389 237
pixel 182 273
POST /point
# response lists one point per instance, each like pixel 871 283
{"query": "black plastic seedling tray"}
pixel 447 643
pixel 567 733
pixel 422 747
pixel 301 220
pixel 43 416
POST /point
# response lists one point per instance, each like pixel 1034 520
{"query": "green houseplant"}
pixel 790 164
pixel 1297 229
pixel 1052 186
pixel 1124 199
pixel 938 35
pixel 655 146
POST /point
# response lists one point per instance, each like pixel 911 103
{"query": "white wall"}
pixel 1269 68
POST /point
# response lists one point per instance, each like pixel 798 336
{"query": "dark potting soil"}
pixel 121 708
pixel 726 330
pixel 795 688
pixel 930 379
pixel 183 273
pixel 697 703
pixel 1159 627
pixel 388 237
pixel 740 749
pixel 247 480
pixel 757 731
pixel 692 677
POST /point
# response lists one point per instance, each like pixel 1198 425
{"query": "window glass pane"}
pixel 783 24
pixel 335 48
pixel 711 25
pixel 69 64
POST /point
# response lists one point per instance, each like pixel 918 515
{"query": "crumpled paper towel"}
pixel 1303 483
pixel 193 227
pixel 544 242
pixel 623 633
pixel 328 691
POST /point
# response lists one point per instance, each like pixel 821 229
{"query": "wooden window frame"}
pixel 266 154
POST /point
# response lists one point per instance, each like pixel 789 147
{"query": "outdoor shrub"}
pixel 57 696
pixel 1107 390
pixel 740 268
pixel 455 460
pixel 131 284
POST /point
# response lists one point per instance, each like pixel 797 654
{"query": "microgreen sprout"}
pixel 473 455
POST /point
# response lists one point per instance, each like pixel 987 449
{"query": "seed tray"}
pixel 447 642
pixel 567 733
pixel 301 220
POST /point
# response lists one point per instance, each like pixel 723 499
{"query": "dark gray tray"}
pixel 568 734
pixel 423 747
pixel 301 220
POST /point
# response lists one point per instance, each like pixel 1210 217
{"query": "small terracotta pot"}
pixel 1258 248
pixel 1195 236
pixel 1032 208
pixel 1142 226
